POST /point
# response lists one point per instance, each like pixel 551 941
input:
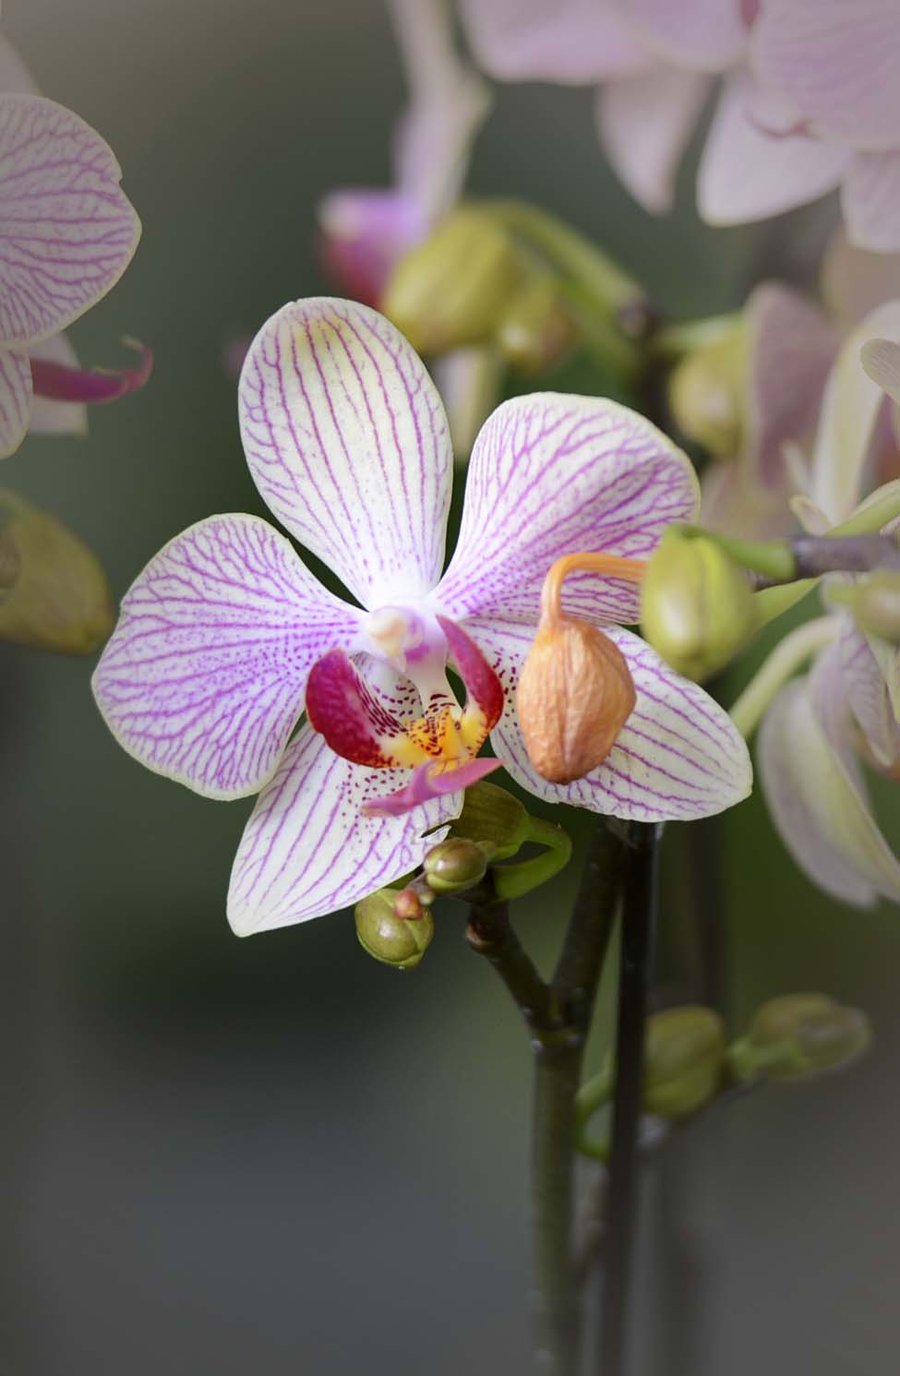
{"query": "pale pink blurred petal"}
pixel 364 233
pixel 645 122
pixel 868 695
pixel 747 174
pixel 837 61
pixel 575 42
pixel 881 361
pixel 856 280
pixel 870 197
pixel 57 417
pixel 15 399
pixel 68 232
pixel 705 35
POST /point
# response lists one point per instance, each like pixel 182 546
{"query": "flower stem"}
pixel 639 904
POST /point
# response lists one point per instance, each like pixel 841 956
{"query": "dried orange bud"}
pixel 575 694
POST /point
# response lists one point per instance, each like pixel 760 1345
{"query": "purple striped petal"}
pixel 68 232
pixel 309 849
pixel 49 416
pixel 551 475
pixel 203 679
pixel 15 399
pixel 869 696
pixel 815 792
pixel 678 757
pixel 347 441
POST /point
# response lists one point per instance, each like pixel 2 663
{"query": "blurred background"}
pixel 275 1155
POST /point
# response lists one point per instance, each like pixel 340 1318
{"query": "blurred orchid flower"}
pixel 366 230
pixel 68 234
pixel 808 102
pixel 225 635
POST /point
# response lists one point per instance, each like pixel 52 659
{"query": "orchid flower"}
pixel 67 234
pixel 226 634
pixel 808 101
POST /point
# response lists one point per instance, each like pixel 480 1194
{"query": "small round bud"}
pixel 537 330
pixel 683 1060
pixel 494 819
pixel 574 696
pixel 60 598
pixel 454 864
pixel 408 906
pixel 874 600
pixel 392 939
pixel 451 290
pixel 797 1036
pixel 697 606
pixel 707 393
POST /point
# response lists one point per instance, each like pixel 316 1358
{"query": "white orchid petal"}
pixel 348 443
pixel 704 34
pixel 68 231
pixel 16 399
pixel 308 848
pixel 550 475
pixel 679 756
pixel 204 677
pixel 568 41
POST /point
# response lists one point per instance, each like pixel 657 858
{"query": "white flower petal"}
pixel 705 35
pixel 15 399
pixel 679 755
pixel 348 443
pixel 308 850
pixel 204 677
pixel 568 41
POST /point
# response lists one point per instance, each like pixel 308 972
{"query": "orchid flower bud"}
pixel 707 392
pixel 684 1057
pixel 494 819
pixel 797 1036
pixel 451 290
pixel 392 939
pixel 60 599
pixel 697 606
pixel 454 865
pixel 537 330
pixel 10 562
pixel 874 600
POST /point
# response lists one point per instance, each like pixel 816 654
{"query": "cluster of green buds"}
pixel 688 1062
pixel 53 591
pixel 396 926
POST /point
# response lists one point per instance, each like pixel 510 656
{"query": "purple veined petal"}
pixel 15 399
pixel 870 197
pixel 847 423
pixel 703 35
pixel 51 417
pixel 348 443
pixel 678 757
pixel 868 695
pixel 855 280
pixel 14 75
pixel 645 122
pixel 748 174
pixel 68 230
pixel 881 362
pixel 309 848
pixel 837 63
pixel 791 347
pixel 551 475
pixel 575 42
pixel 429 781
pixel 204 676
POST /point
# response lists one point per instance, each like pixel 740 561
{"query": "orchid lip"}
pixel 97 386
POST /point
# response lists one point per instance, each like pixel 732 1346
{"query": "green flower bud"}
pixel 683 1060
pixel 60 599
pixel 451 290
pixel 455 864
pixel 393 940
pixel 798 1036
pixel 493 818
pixel 537 330
pixel 697 606
pixel 10 562
pixel 874 600
pixel 707 392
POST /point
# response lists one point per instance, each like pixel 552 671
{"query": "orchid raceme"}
pixel 226 634
pixel 67 233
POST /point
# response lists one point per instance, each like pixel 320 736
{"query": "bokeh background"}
pixel 274 1155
